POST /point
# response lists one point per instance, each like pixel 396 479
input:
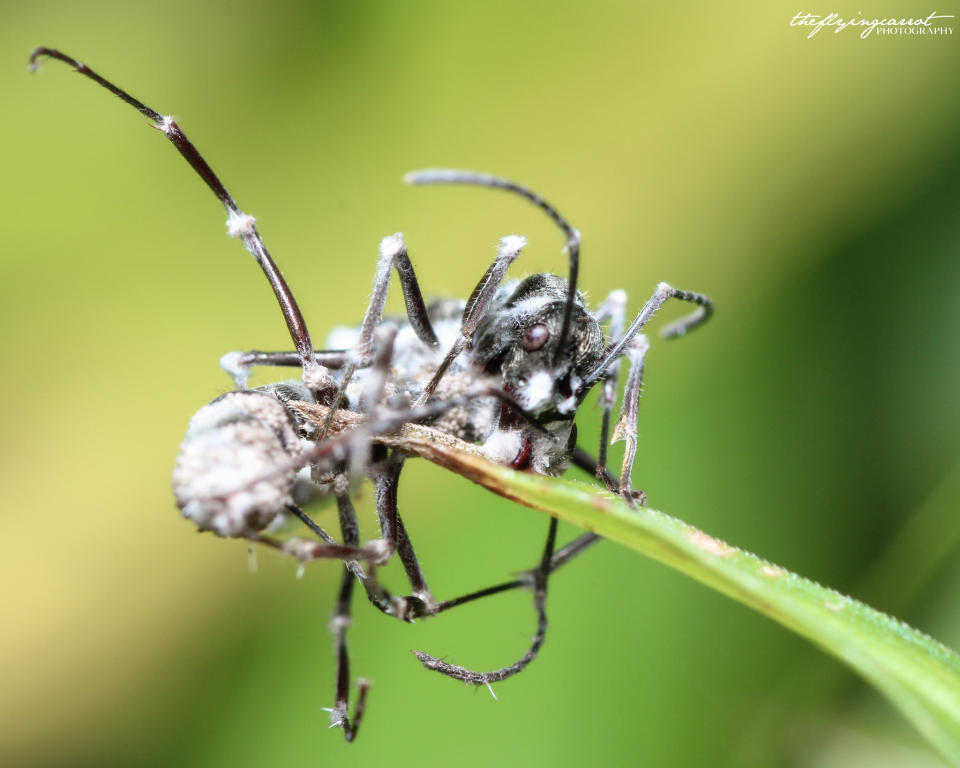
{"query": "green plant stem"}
pixel 919 675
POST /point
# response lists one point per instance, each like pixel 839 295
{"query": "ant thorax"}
pixel 413 363
pixel 515 349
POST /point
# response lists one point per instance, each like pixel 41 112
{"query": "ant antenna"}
pixel 448 176
pixel 239 224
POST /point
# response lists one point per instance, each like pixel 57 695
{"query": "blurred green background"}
pixel 810 187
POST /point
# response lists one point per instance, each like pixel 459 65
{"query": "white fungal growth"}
pixel 569 404
pixel 338 717
pixel 529 307
pixel 382 549
pixel 638 347
pixel 317 378
pixel 536 392
pixel 342 337
pixel 225 478
pixel 511 245
pixel 549 454
pixel 231 365
pixel 503 445
pixel 240 224
pixel 392 245
pixel 166 124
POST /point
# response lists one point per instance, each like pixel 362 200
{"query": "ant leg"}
pixel 332 358
pixel 341 622
pixel 371 397
pixel 588 464
pixel 448 176
pixel 583 460
pixel 385 474
pixel 561 557
pixel 539 602
pixel 413 606
pixel 386 479
pixel 509 249
pixel 335 448
pixel 237 365
pixel 410 608
pixel 678 328
pixel 626 428
pixel 549 563
pixel 312 525
pixel 613 309
pixel 393 253
pixel 357 448
pixel 350 551
pixel 394 539
pixel 306 551
pixel 379 597
pixel 239 224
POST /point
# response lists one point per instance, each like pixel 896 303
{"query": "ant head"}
pixel 521 338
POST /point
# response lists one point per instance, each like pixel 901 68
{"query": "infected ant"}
pixel 506 369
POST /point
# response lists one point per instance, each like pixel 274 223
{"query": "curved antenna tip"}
pixel 449 176
pixel 42 51
pixel 429 176
pixel 33 65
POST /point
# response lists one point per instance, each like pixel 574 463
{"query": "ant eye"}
pixel 535 337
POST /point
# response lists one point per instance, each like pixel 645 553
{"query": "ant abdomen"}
pixel 231 474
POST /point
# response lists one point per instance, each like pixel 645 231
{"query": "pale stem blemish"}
pixel 772 571
pixel 598 502
pixel 707 543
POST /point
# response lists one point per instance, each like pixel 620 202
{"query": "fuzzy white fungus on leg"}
pixel 240 224
pixel 236 370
